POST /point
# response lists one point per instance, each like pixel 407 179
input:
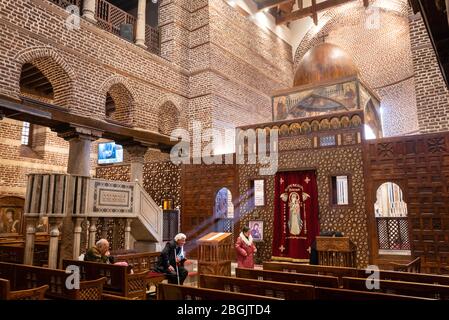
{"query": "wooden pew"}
pixel 146 261
pixel 282 290
pixel 119 281
pixel 434 291
pixel 413 266
pixel 14 253
pixel 277 276
pixel 174 292
pixel 30 294
pixel 341 272
pixel 346 295
pixel 338 272
pixel 24 277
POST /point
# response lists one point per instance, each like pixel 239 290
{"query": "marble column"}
pixel 128 234
pixel 80 140
pixel 89 10
pixel 77 238
pixel 136 156
pixel 54 243
pixel 29 240
pixel 79 164
pixel 92 232
pixel 141 21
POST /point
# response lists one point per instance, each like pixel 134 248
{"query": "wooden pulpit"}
pixel 336 251
pixel 214 254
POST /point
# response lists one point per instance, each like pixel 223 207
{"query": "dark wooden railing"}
pixel 112 18
pixel 393 233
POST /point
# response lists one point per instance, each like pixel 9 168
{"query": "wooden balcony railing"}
pixel 393 233
pixel 112 19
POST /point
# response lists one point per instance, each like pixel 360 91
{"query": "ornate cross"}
pixel 282 248
pixel 307 180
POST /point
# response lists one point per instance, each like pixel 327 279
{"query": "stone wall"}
pixel 379 43
pixel 214 64
pixel 432 96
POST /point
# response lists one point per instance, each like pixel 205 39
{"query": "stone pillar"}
pixel 136 157
pixel 128 234
pixel 89 10
pixel 80 140
pixel 92 232
pixel 54 243
pixel 77 238
pixel 29 240
pixel 141 21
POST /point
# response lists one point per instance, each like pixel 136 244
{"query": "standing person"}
pixel 172 258
pixel 245 249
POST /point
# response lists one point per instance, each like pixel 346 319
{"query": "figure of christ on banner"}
pixel 296 222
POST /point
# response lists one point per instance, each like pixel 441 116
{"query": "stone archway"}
pixel 49 64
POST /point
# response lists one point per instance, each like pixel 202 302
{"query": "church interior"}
pixel 314 134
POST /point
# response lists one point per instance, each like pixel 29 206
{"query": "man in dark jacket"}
pixel 99 253
pixel 172 260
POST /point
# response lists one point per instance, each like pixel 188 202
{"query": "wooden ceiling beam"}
pixel 268 4
pixel 309 11
pixel 314 13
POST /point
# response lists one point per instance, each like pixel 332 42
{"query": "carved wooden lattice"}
pixel 420 165
pixel 393 233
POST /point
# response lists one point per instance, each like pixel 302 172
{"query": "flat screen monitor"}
pixel 109 152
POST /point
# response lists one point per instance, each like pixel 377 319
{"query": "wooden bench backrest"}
pixel 407 277
pixel 91 290
pixel 346 295
pixel 434 291
pixel 23 277
pixel 310 269
pixel 413 266
pixel 145 261
pixel 119 281
pixel 357 273
pixel 175 292
pixel 281 290
pixel 277 276
pixel 15 253
pixel 30 294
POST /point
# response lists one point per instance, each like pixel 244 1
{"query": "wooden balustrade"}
pixel 111 18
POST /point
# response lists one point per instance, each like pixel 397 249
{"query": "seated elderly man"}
pixel 172 258
pixel 99 253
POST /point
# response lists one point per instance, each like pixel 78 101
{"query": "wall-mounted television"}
pixel 109 152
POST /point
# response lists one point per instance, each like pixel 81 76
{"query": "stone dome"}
pixel 322 63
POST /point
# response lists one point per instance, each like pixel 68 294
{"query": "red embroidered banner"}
pixel 296 223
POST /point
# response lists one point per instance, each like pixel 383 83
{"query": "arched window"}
pixel 224 207
pixel 391 217
pixel 224 211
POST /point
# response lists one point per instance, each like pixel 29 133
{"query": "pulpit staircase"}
pixel 73 199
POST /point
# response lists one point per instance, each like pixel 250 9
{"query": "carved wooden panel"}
pixel 420 166
pixel 200 184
